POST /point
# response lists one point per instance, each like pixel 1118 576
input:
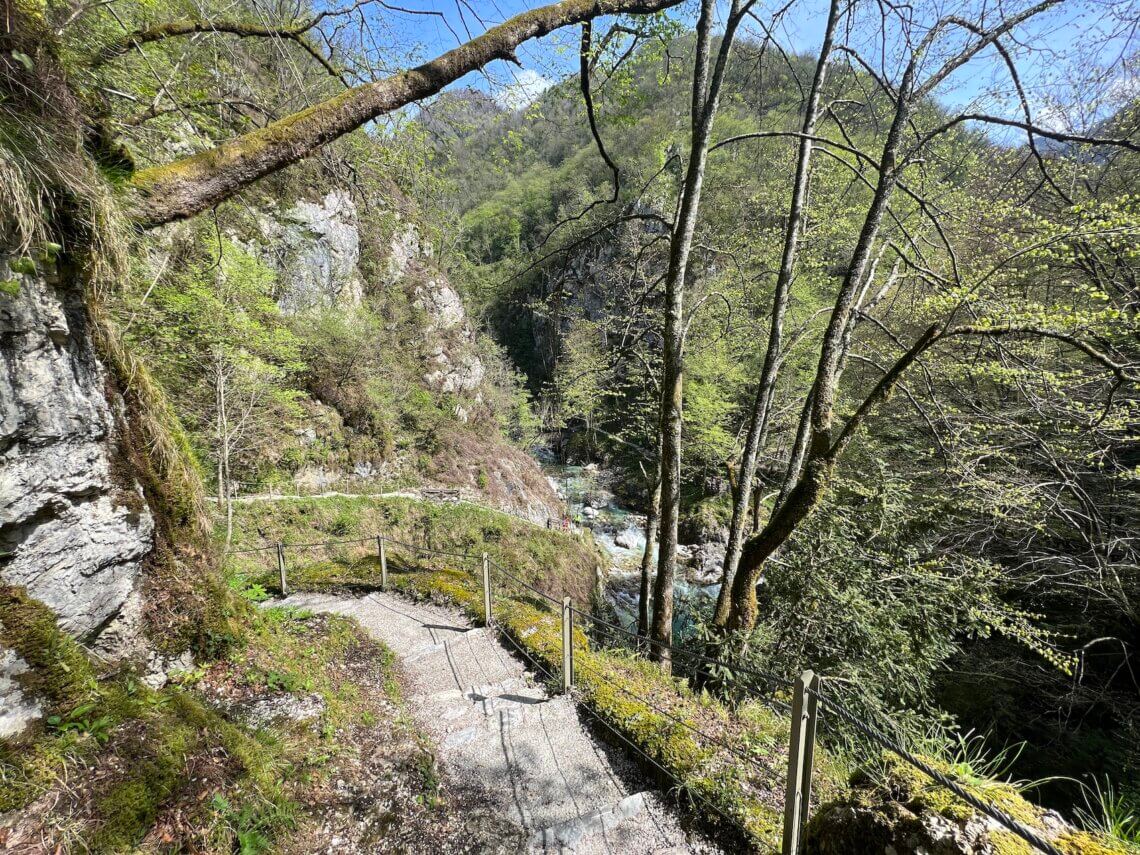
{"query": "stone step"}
pixel 488 710
pixel 497 727
pixel 472 659
pixel 567 836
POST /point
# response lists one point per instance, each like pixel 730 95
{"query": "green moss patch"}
pixel 557 563
pixel 895 792
pixel 60 673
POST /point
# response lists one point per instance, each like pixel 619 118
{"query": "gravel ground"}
pixel 530 756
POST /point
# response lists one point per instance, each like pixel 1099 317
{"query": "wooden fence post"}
pixel 486 591
pixel 801 756
pixel 281 568
pixel 383 563
pixel 567 645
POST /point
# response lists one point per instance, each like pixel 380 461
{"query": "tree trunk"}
pixel 219 406
pixel 811 487
pixel 651 521
pixel 765 392
pixel 229 516
pixel 703 110
pixel 197 183
pixel 799 451
pixel 801 501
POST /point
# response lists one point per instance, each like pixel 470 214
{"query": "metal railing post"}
pixel 567 645
pixel 281 568
pixel 486 591
pixel 383 563
pixel 801 756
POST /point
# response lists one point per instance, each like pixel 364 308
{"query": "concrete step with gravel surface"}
pixel 606 820
pixel 499 727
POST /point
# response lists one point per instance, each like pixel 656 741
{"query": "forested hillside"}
pixel 985 516
pixel 833 306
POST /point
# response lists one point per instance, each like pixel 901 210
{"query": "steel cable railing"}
pixel 252 551
pixel 768 677
pixel 526 585
pixel 709 738
pixel 527 655
pixel 769 680
pixel 980 805
pixel 680 785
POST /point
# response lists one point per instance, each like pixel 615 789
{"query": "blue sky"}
pixel 1078 32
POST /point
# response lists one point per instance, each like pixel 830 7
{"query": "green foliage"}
pixel 252 591
pixel 1110 812
pixel 246 823
pixel 80 720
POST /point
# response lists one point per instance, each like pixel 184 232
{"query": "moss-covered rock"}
pixel 897 808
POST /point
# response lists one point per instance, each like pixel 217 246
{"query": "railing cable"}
pixel 736 823
pixel 736 752
pixel 526 585
pixel 767 676
pixel 957 789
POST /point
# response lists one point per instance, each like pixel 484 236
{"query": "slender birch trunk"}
pixel 765 391
pixel 706 95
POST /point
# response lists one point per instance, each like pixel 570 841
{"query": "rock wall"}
pixel 74 528
pixel 315 246
pixel 17 710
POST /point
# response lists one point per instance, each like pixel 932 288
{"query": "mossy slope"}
pixel 557 563
pixel 119 767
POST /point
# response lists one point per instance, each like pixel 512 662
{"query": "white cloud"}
pixel 525 86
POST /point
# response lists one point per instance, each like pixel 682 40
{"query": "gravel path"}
pixel 493 723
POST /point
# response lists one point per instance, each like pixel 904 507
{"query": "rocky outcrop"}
pixel 315 246
pixel 17 710
pixel 74 528
pixel 442 304
pixel 898 811
pixel 463 376
pixel 405 246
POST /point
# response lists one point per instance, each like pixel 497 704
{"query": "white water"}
pixel 621 532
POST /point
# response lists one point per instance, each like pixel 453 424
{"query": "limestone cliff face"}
pixel 316 247
pixel 73 528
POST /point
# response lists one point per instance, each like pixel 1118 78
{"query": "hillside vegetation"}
pixel 842 297
pixel 979 523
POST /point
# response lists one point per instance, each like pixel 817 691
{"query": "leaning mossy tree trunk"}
pixel 195 184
